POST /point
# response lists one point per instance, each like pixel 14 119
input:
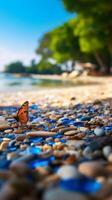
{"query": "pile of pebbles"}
pixel 64 152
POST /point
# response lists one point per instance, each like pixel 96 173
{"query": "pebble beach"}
pixel 65 151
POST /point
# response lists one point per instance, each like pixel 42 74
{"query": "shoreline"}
pixel 82 93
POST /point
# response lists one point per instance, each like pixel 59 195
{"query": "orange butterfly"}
pixel 22 114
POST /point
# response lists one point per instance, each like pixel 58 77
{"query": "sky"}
pixel 22 24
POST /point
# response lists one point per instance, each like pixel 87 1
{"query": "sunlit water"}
pixel 10 82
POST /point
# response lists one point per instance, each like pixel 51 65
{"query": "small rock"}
pixel 40 134
pixel 107 150
pixel 4 126
pixel 8 131
pixel 11 155
pixel 110 157
pixel 87 152
pixel 58 193
pixel 67 172
pixel 4 145
pixel 92 169
pixel 99 131
pixel 72 132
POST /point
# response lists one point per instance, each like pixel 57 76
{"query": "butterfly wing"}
pixel 22 113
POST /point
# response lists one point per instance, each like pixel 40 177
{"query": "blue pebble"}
pixel 78 124
pixel 4 164
pixel 36 140
pixel 33 150
pixel 42 162
pixel 84 185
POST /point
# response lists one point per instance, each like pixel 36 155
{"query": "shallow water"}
pixel 9 82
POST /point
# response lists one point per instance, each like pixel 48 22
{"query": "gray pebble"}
pixel 99 131
pixel 107 150
pixel 58 193
pixel 67 172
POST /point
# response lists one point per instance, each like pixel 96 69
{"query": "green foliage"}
pixel 43 48
pixel 93 27
pixel 16 67
pixel 64 44
pixel 45 67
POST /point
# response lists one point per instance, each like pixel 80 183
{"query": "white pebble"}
pixel 107 150
pixel 67 172
pixel 99 131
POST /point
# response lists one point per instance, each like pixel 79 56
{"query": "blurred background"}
pixel 54 42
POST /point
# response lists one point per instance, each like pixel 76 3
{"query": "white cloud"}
pixel 7 55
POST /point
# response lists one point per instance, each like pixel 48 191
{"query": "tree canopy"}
pixel 93 26
pixel 15 67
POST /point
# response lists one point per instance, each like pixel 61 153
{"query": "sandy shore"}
pixel 99 88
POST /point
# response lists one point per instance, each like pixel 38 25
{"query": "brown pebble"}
pixel 20 169
pixel 4 126
pixel 46 147
pixel 20 138
pixel 8 131
pixel 18 131
pixel 40 134
pixel 49 181
pixel 4 145
pixel 92 169
pixel 7 192
pixel 7 139
pixel 70 160
pixel 23 146
pixel 104 192
pixel 5 174
pixel 110 157
pixel 72 132
pixel 11 155
pixel 57 128
pixel 71 128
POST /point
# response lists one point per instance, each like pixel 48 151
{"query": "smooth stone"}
pixel 20 137
pixel 58 193
pixel 83 129
pixel 8 193
pixel 4 126
pixel 20 169
pixel 110 157
pixel 92 169
pixel 82 185
pixel 24 159
pixel 104 192
pixel 71 128
pixel 99 131
pixel 8 131
pixel 87 152
pixel 72 132
pixel 67 172
pixel 107 150
pixel 4 145
pixel 75 143
pixel 5 174
pixel 40 134
pixel 12 155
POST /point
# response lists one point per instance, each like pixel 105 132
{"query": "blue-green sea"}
pixel 10 82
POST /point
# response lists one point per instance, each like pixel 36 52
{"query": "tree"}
pixel 15 67
pixel 62 45
pixel 45 67
pixel 43 48
pixel 93 26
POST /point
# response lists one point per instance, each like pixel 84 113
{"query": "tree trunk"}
pixel 100 62
pixel 73 65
